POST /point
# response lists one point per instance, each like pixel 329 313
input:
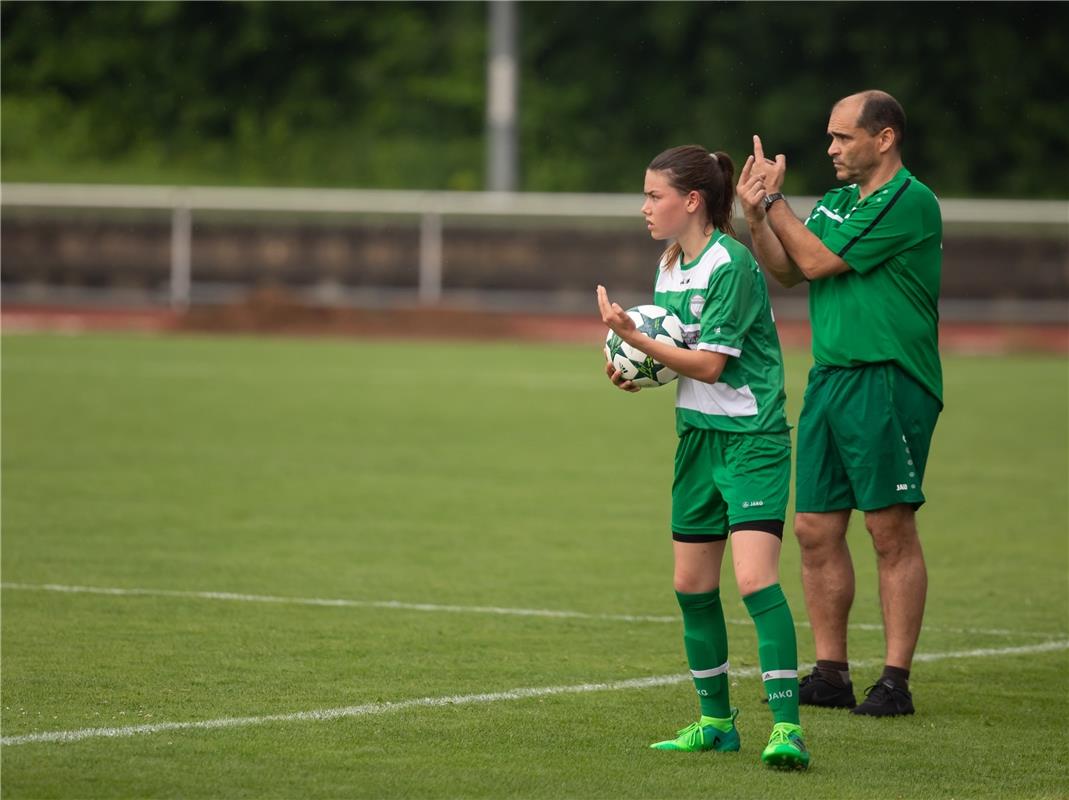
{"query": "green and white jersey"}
pixel 885 307
pixel 722 300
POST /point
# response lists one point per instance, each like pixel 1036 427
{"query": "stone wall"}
pixel 134 255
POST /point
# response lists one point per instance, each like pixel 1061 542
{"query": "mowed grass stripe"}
pixel 327 714
pixel 398 605
pixel 471 476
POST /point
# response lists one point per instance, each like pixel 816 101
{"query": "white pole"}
pixel 502 80
pixel 181 257
pixel 430 259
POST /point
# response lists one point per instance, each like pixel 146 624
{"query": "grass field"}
pixel 438 490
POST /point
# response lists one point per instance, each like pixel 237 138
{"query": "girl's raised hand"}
pixel 614 316
pixel 618 321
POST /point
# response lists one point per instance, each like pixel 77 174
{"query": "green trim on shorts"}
pixel 723 478
pixel 863 439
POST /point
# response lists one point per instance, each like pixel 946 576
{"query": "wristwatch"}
pixel 772 198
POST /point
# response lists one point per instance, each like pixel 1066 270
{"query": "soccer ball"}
pixel 634 365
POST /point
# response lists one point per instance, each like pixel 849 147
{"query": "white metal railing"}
pixel 430 207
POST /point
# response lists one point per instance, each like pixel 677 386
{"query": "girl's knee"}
pixel 693 583
pixel 748 584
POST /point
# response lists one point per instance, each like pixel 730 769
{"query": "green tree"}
pixel 383 94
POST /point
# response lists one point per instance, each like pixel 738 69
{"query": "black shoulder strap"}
pixel 879 216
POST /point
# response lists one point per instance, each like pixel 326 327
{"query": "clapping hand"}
pixel 751 191
pixel 760 176
pixel 770 170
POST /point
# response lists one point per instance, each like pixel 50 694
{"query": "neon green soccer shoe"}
pixel 708 733
pixel 786 750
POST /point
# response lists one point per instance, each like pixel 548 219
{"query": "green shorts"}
pixel 730 481
pixel 863 439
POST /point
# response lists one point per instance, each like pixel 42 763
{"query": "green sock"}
pixel 777 650
pixel 705 636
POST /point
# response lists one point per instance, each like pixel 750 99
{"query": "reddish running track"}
pixel 416 323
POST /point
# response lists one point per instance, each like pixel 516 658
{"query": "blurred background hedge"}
pixel 392 95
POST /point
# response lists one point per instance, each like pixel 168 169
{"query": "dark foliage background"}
pixel 392 95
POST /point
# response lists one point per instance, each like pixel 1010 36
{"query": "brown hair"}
pixel 878 111
pixel 692 168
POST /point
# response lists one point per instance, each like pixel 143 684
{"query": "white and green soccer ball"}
pixel 659 324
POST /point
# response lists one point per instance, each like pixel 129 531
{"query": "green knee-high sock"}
pixel 777 650
pixel 705 637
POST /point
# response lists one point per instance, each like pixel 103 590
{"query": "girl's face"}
pixel 668 211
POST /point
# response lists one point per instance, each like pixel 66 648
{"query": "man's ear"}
pixel 887 139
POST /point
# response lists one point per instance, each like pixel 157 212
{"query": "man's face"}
pixel 854 152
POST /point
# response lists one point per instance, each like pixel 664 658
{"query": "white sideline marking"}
pixel 318 601
pixel 397 605
pixel 987 652
pixel 349 711
pixel 321 715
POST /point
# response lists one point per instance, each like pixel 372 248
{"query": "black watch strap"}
pixel 772 198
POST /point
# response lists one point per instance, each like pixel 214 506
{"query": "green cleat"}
pixel 786 750
pixel 708 733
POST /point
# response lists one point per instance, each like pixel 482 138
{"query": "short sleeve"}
pixel 820 217
pixel 877 231
pixel 729 310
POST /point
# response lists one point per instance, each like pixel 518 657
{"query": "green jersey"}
pixel 722 300
pixel 884 308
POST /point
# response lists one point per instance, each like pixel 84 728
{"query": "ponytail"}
pixel 721 219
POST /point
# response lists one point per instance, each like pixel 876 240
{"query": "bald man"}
pixel 872 254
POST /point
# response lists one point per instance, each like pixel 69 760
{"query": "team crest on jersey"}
pixel 697 303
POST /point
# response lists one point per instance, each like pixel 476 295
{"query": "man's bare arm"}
pixel 812 259
pixel 767 248
pixel 801 245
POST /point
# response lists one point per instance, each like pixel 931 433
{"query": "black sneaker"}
pixel 816 690
pixel 884 699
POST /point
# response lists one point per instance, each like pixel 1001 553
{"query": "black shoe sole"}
pixel 861 711
pixel 814 704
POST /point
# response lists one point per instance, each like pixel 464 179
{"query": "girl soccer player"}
pixel 732 465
